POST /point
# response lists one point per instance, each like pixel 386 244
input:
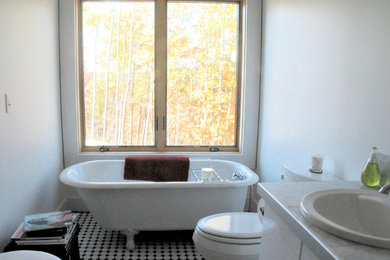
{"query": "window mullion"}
pixel 160 70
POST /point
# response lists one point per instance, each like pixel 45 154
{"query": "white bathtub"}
pixel 119 204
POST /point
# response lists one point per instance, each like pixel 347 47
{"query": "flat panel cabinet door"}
pixel 282 244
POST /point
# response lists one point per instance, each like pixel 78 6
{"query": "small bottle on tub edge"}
pixel 371 174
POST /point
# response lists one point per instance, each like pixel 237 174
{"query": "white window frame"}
pixel 249 100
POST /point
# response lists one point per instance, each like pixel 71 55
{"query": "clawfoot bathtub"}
pixel 132 206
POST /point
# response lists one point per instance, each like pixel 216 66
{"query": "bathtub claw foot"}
pixel 130 244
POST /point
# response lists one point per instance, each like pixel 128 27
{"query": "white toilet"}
pixel 231 236
pixel 27 254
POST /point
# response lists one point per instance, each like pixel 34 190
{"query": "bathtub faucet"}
pixel 237 176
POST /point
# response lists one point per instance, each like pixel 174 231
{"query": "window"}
pixel 159 76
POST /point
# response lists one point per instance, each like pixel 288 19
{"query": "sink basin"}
pixel 359 215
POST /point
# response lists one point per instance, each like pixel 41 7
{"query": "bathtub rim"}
pixel 67 179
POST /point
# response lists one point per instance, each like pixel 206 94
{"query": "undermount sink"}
pixel 359 215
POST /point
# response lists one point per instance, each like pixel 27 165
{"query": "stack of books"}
pixel 51 228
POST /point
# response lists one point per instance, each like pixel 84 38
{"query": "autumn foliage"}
pixel 118 73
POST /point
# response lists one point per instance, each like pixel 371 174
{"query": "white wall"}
pixel 325 84
pixel 30 135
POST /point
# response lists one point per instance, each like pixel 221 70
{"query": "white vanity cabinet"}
pixel 283 243
pixel 299 239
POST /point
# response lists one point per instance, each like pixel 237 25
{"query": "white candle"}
pixel 207 172
pixel 316 162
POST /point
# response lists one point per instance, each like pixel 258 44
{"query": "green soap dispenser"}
pixel 371 175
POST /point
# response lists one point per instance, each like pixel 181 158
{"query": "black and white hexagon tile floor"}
pixel 98 243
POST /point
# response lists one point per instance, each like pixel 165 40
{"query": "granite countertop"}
pixel 284 198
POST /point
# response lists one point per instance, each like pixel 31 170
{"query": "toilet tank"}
pixel 298 173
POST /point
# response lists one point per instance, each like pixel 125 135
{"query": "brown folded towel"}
pixel 157 168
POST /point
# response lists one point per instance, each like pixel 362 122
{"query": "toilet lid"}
pixel 242 225
pixel 227 240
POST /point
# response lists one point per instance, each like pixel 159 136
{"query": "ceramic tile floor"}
pixel 98 243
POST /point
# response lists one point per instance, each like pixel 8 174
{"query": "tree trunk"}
pixel 204 105
pixel 130 72
pixel 229 110
pixel 117 78
pixel 192 121
pixel 139 124
pixel 132 107
pixel 94 83
pixel 107 79
pixel 219 102
pixel 149 108
pixel 123 86
pixel 177 121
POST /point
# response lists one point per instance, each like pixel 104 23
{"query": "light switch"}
pixel 8 106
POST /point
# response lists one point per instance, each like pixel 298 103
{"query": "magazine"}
pixel 48 240
pixel 52 236
pixel 50 220
pixel 54 232
pixel 18 233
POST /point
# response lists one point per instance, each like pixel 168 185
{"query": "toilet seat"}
pixel 231 236
pixel 234 227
